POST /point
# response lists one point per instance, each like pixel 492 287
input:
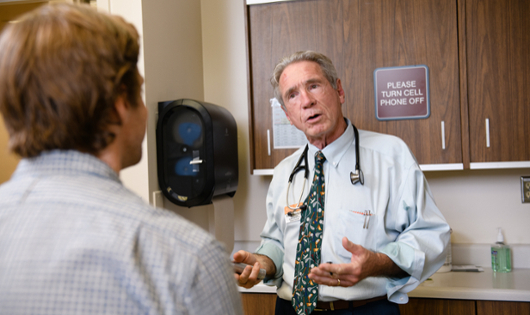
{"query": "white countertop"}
pixel 486 285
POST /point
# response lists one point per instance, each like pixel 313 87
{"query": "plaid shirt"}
pixel 74 240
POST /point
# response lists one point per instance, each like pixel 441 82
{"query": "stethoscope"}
pixel 357 177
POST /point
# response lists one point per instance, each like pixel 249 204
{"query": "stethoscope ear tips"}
pixel 357 177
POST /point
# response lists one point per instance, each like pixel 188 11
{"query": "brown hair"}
pixel 325 64
pixel 62 67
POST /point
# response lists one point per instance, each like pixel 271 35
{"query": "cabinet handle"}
pixel 487 133
pixel 269 141
pixel 443 135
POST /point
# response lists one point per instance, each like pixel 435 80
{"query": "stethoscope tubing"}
pixel 356 177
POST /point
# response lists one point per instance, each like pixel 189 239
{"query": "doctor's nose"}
pixel 307 100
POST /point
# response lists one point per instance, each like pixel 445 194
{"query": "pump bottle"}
pixel 501 256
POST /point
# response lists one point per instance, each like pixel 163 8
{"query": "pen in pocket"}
pixel 367 214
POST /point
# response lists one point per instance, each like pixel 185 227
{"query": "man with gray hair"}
pixel 359 241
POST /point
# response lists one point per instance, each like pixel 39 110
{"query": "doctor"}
pixel 382 236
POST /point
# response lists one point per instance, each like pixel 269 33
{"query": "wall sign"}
pixel 402 92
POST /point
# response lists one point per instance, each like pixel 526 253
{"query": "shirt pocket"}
pixel 355 225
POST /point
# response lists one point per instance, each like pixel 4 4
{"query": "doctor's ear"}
pixel 340 91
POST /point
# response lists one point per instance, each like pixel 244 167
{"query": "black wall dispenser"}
pixel 196 152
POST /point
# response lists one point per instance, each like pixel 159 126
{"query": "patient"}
pixel 73 239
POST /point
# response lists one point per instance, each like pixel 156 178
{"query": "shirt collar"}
pixel 336 150
pixel 65 162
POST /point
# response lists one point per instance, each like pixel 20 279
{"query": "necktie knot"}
pixel 319 158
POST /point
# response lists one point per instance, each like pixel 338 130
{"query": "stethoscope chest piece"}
pixel 357 177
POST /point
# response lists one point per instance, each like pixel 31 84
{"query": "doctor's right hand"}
pixel 249 277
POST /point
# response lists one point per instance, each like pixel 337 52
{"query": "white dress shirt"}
pixel 403 222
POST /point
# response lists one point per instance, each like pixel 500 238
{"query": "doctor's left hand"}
pixel 363 264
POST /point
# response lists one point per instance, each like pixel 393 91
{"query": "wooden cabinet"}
pixel 501 308
pixel 258 303
pixel 476 52
pixel 263 304
pixel 498 79
pixel 360 36
pixel 437 307
pixel 418 306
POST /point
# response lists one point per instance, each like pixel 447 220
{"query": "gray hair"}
pixel 325 64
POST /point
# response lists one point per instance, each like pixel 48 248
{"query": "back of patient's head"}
pixel 62 67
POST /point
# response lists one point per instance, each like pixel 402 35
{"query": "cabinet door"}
pixel 359 37
pixel 12 9
pixel 258 303
pixel 498 70
pixel 501 307
pixel 437 307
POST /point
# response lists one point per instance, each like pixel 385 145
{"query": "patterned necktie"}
pixel 305 291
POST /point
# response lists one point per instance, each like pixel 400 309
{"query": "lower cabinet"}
pixel 501 307
pixel 258 303
pixel 419 306
pixel 438 307
pixel 263 304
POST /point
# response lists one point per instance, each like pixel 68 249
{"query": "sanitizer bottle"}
pixel 501 255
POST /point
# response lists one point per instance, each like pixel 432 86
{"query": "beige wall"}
pixel 225 83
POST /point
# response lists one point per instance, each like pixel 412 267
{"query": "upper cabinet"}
pixel 478 69
pixel 10 10
pixel 498 80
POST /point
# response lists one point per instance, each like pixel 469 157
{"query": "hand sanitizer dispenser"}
pixel 501 255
